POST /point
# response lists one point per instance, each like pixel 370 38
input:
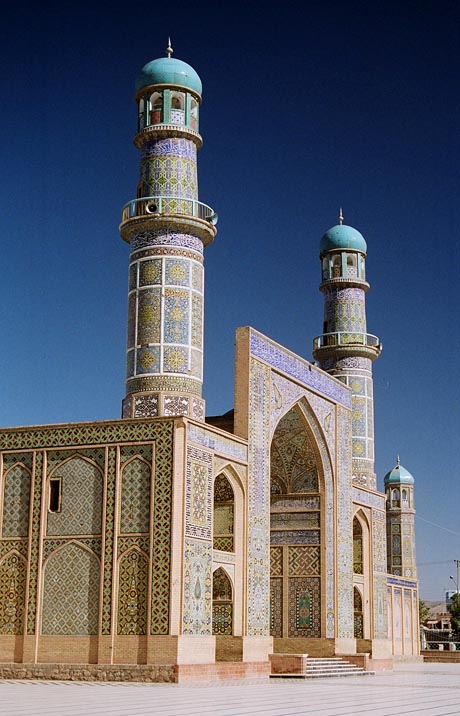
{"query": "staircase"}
pixel 317 668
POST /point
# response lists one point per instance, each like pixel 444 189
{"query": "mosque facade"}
pixel 179 545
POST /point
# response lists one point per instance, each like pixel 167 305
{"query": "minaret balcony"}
pixel 184 212
pixel 349 342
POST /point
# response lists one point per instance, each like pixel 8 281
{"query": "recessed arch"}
pixel 297 526
pixel 222 603
pixel 71 579
pixel 80 500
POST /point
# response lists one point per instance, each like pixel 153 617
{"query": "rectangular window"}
pixel 55 494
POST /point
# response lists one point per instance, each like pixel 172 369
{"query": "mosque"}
pixel 169 545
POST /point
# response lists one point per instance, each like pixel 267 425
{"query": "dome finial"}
pixel 398 461
pixel 169 49
pixel 340 216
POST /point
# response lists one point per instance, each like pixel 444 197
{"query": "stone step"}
pixel 323 668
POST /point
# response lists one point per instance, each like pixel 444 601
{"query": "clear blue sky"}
pixel 307 106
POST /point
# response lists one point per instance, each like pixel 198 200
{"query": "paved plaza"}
pixel 425 689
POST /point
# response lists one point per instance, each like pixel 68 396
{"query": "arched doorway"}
pixel 295 531
pixel 358 614
pixel 222 603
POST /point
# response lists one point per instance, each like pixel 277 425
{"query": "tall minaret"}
pixel 167 228
pixel 400 516
pixel 345 349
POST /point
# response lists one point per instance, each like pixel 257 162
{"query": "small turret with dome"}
pixel 345 349
pixel 400 517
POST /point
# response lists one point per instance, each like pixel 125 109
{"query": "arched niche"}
pixel 295 529
pixel 222 603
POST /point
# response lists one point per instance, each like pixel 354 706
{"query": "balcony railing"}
pixel 155 205
pixel 346 338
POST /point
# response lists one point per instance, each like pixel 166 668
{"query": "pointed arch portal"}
pixel 295 530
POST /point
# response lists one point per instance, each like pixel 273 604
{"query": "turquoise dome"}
pixel 398 475
pixel 168 71
pixel 342 237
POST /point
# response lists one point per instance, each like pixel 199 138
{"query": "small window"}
pixel 55 494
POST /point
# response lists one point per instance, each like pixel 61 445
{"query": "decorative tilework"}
pixel 148 360
pixel 197 364
pixel 197 321
pixel 132 593
pixel 12 593
pixel 176 405
pixel 56 457
pixel 170 147
pixel 135 497
pixel 160 237
pixel 146 406
pixel 142 543
pixel 176 316
pixel 293 460
pixel 16 502
pixel 304 560
pixel 368 498
pixel 222 606
pixel 13 458
pixel 304 607
pixel 197 277
pixel 295 502
pixel 276 607
pixel 380 578
pixel 150 272
pixel 12 442
pixel 276 561
pixel 258 501
pixel 71 592
pixel 295 537
pixel 199 495
pixel 169 176
pixel 217 443
pixel 149 316
pixel 177 272
pixel 51 544
pixel 18 545
pixel 159 623
pixel 81 499
pixel 198 409
pixel 298 368
pixel 175 360
pixel 197 604
pixel 109 541
pixel 180 384
pixel 344 528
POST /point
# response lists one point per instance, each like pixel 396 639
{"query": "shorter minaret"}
pixel 345 349
pixel 400 516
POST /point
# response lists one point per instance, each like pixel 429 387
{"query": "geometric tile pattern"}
pixel 71 592
pixel 135 497
pixel 276 561
pixel 293 460
pixel 258 614
pixel 100 434
pixel 298 368
pixel 132 593
pixel 50 545
pixel 12 594
pixel 197 601
pixel 344 527
pixel 276 607
pixel 199 496
pixel 380 578
pixel 304 560
pixel 81 499
pixel 109 540
pixel 16 502
pixel 34 547
pixel 304 607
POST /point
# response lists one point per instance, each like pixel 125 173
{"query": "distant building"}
pixel 192 545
